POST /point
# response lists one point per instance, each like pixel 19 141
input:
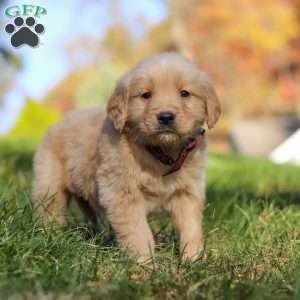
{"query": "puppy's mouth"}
pixel 166 131
pixel 167 135
pixel 170 136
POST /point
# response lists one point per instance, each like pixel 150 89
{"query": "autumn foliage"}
pixel 250 48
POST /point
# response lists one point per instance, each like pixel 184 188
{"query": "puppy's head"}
pixel 163 100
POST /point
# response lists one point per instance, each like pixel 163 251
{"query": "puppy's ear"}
pixel 213 107
pixel 117 104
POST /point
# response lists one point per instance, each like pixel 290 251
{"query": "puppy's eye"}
pixel 146 95
pixel 184 93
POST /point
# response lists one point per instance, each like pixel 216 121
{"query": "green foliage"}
pixel 251 225
pixel 98 87
pixel 33 121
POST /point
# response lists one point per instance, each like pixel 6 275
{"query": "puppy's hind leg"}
pixel 49 195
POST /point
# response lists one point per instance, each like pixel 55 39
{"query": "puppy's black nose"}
pixel 166 117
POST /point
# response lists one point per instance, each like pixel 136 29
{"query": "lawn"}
pixel 251 225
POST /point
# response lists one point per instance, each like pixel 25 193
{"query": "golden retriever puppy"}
pixel 145 153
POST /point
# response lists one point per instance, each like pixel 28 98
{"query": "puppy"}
pixel 145 153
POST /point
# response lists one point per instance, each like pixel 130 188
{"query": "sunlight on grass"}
pixel 252 230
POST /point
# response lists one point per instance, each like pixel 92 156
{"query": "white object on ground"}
pixel 288 151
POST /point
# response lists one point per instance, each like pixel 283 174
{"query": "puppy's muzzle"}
pixel 166 118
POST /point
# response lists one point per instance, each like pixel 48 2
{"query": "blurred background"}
pixel 250 48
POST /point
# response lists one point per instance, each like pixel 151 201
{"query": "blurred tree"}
pixel 237 41
pixel 98 63
pixel 157 39
pixel 119 44
pixel 248 47
pixel 9 63
pixel 97 89
pixel 63 95
pixel 8 69
pixel 87 86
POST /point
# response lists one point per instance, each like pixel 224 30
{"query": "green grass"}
pixel 251 225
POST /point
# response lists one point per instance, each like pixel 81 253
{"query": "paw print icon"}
pixel 24 32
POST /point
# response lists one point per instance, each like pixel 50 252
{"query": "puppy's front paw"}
pixel 192 252
pixel 145 259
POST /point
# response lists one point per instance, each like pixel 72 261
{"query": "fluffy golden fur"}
pixel 101 158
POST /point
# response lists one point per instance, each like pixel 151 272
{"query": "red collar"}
pixel 176 164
